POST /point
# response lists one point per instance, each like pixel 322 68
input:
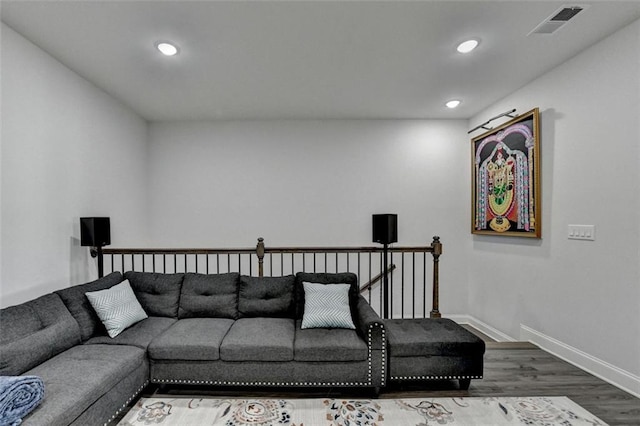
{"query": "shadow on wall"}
pixel 82 267
pixel 21 296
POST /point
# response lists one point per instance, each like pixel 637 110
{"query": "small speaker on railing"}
pixel 95 231
pixel 385 228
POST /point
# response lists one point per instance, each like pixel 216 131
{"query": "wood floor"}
pixel 522 369
pixel 510 369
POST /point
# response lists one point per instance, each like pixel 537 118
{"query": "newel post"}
pixel 436 245
pixel 260 254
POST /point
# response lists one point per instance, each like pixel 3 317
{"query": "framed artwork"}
pixel 506 179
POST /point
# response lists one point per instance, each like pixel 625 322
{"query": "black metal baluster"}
pixel 424 285
pixel 402 287
pixel 391 286
pixel 270 264
pixel 383 297
pixel 413 282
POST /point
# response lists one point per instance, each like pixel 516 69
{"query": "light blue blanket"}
pixel 19 395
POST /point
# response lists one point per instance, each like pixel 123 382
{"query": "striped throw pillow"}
pixel 326 306
pixel 117 307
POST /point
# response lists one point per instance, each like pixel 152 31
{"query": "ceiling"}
pixel 309 59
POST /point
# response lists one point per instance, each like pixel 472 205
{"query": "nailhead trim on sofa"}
pixel 233 383
pixel 131 398
pixel 216 382
pixel 384 351
pixel 434 377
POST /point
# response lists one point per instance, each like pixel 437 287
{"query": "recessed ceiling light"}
pixel 467 46
pixel 166 48
pixel 453 103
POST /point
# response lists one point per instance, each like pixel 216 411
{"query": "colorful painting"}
pixel 506 179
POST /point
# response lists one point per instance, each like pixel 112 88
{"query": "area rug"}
pixel 532 411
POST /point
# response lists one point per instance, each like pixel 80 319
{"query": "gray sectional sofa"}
pixel 222 329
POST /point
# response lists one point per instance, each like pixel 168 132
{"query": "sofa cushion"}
pixel 34 332
pixel 259 339
pixel 17 322
pixel 214 295
pixel 431 337
pixel 327 345
pixel 79 376
pixel 81 309
pixel 326 306
pixel 140 334
pixel 326 278
pixel 159 294
pixel 191 339
pixel 117 307
pixel 266 297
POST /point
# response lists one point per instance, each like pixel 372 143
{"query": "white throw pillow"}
pixel 117 307
pixel 326 306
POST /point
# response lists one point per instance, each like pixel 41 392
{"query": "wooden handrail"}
pixel 279 250
pixel 130 251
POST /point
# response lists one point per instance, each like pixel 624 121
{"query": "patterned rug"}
pixel 532 411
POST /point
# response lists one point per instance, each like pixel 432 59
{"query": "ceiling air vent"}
pixel 557 20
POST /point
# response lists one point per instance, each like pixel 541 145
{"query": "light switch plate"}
pixel 582 232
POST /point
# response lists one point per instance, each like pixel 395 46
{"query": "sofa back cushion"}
pixel 328 279
pixel 209 296
pixel 266 297
pixel 159 294
pixel 78 304
pixel 33 332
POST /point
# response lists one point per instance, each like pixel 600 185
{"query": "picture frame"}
pixel 505 189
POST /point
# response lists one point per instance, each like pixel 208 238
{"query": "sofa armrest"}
pixel 371 327
pixel 369 324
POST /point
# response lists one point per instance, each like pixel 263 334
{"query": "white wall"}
pixel 313 183
pixel 584 294
pixel 68 150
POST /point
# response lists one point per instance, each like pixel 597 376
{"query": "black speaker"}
pixel 95 231
pixel 385 228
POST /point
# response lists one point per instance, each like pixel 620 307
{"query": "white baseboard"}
pixel 618 377
pixel 482 327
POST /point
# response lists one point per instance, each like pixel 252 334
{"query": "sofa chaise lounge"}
pixel 221 329
pixel 217 329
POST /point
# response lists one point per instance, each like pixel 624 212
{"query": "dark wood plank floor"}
pixel 522 369
pixel 511 369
